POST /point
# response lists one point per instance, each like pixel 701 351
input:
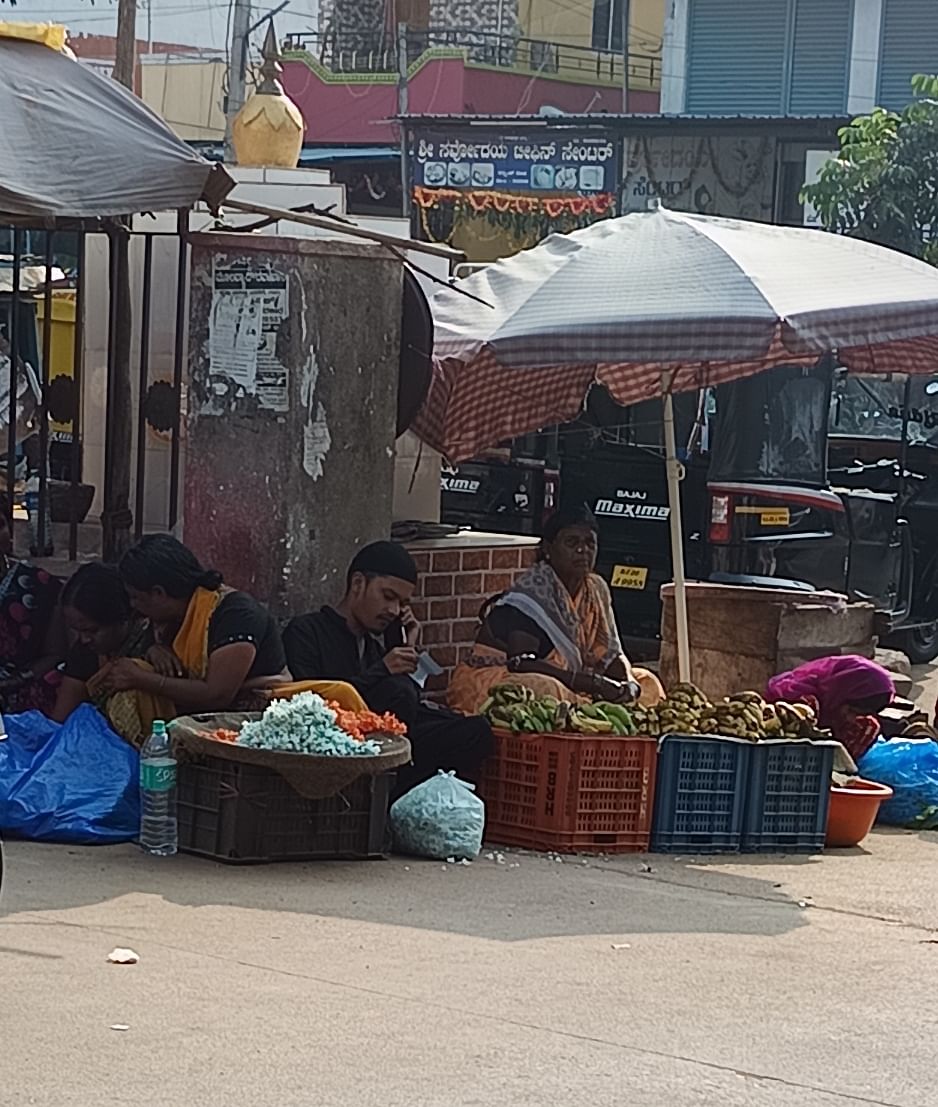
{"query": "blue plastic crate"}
pixel 789 797
pixel 700 794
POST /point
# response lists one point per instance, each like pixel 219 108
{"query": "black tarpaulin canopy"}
pixel 77 145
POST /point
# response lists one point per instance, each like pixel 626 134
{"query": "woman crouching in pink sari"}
pixel 848 693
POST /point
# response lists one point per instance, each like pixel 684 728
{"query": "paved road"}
pixel 770 982
pixel 401 984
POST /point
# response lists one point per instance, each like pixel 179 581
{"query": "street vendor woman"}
pixel 554 630
pixel 219 647
pixel 849 692
pixel 370 640
pixel 193 645
pixel 103 627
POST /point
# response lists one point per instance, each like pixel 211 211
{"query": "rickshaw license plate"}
pixel 768 516
pixel 778 518
pixel 629 576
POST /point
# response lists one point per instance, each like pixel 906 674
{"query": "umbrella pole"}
pixel 675 474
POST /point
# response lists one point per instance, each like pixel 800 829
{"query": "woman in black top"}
pixel 103 627
pixel 219 646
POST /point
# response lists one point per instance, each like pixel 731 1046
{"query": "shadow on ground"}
pixel 526 897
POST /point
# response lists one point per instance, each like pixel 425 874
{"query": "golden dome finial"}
pixel 268 130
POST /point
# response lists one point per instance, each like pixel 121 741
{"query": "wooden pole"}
pixel 116 518
pixel 403 106
pixel 125 53
pixel 237 70
pixel 288 215
pixel 675 474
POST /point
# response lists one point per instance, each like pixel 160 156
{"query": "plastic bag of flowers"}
pixel 440 818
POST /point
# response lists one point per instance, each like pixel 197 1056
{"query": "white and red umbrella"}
pixel 661 302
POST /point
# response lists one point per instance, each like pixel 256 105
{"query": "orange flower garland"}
pixel 481 201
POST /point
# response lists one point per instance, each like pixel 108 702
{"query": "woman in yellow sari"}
pixel 554 630
pixel 216 649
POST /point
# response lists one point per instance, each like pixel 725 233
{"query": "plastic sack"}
pixel 910 768
pixel 74 782
pixel 440 818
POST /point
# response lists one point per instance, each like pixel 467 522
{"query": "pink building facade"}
pixel 345 106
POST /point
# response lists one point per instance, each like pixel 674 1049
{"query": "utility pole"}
pixel 626 20
pixel 116 518
pixel 403 104
pixel 237 68
pixel 125 44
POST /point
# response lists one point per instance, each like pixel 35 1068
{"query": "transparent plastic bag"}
pixel 440 818
pixel 910 768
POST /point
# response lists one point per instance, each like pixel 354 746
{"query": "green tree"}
pixel 883 187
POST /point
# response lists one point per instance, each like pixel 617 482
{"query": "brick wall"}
pixel 454 583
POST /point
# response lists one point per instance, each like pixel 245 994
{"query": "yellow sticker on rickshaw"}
pixel 629 576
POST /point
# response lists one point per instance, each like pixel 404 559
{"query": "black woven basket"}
pixel 312 776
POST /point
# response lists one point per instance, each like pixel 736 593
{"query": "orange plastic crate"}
pixel 570 793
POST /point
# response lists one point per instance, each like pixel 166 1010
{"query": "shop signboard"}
pixel 730 175
pixel 570 162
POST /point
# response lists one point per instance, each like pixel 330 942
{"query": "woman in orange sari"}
pixel 554 630
pixel 217 649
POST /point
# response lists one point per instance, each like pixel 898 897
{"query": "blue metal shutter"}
pixel 910 46
pixel 736 57
pixel 820 67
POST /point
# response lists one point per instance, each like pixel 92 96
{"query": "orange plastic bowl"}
pixel 853 811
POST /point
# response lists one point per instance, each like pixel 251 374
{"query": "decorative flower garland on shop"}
pixel 527 217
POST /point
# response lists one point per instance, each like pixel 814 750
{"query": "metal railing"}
pixel 45 384
pixel 360 52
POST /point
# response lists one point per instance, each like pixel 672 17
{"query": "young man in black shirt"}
pixel 369 640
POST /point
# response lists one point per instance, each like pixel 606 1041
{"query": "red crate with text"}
pixel 570 793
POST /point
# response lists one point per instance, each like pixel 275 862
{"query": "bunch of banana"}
pixel 603 718
pixel 646 720
pixel 682 710
pixel 515 707
pixel 797 720
pixel 679 713
pixel 688 693
pixel 738 716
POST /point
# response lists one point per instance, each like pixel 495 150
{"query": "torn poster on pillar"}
pixel 317 440
pixel 249 304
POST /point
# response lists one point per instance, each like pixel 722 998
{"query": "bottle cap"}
pixel 159 727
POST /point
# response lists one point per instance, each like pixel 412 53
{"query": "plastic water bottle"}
pixel 158 830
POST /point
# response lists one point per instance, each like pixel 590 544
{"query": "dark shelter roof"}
pixel 77 145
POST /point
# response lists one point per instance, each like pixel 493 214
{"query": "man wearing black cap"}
pixel 369 640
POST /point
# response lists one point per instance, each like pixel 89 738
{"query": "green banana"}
pixel 618 714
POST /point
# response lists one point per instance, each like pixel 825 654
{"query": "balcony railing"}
pixel 355 52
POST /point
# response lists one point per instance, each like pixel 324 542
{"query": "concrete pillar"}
pixel 674 57
pixel 863 88
pixel 294 347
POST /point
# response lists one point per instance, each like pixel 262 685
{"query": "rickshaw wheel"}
pixel 920 644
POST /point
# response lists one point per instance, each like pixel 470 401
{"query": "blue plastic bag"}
pixel 74 782
pixel 440 818
pixel 910 768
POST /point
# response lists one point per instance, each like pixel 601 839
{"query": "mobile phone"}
pixel 395 635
